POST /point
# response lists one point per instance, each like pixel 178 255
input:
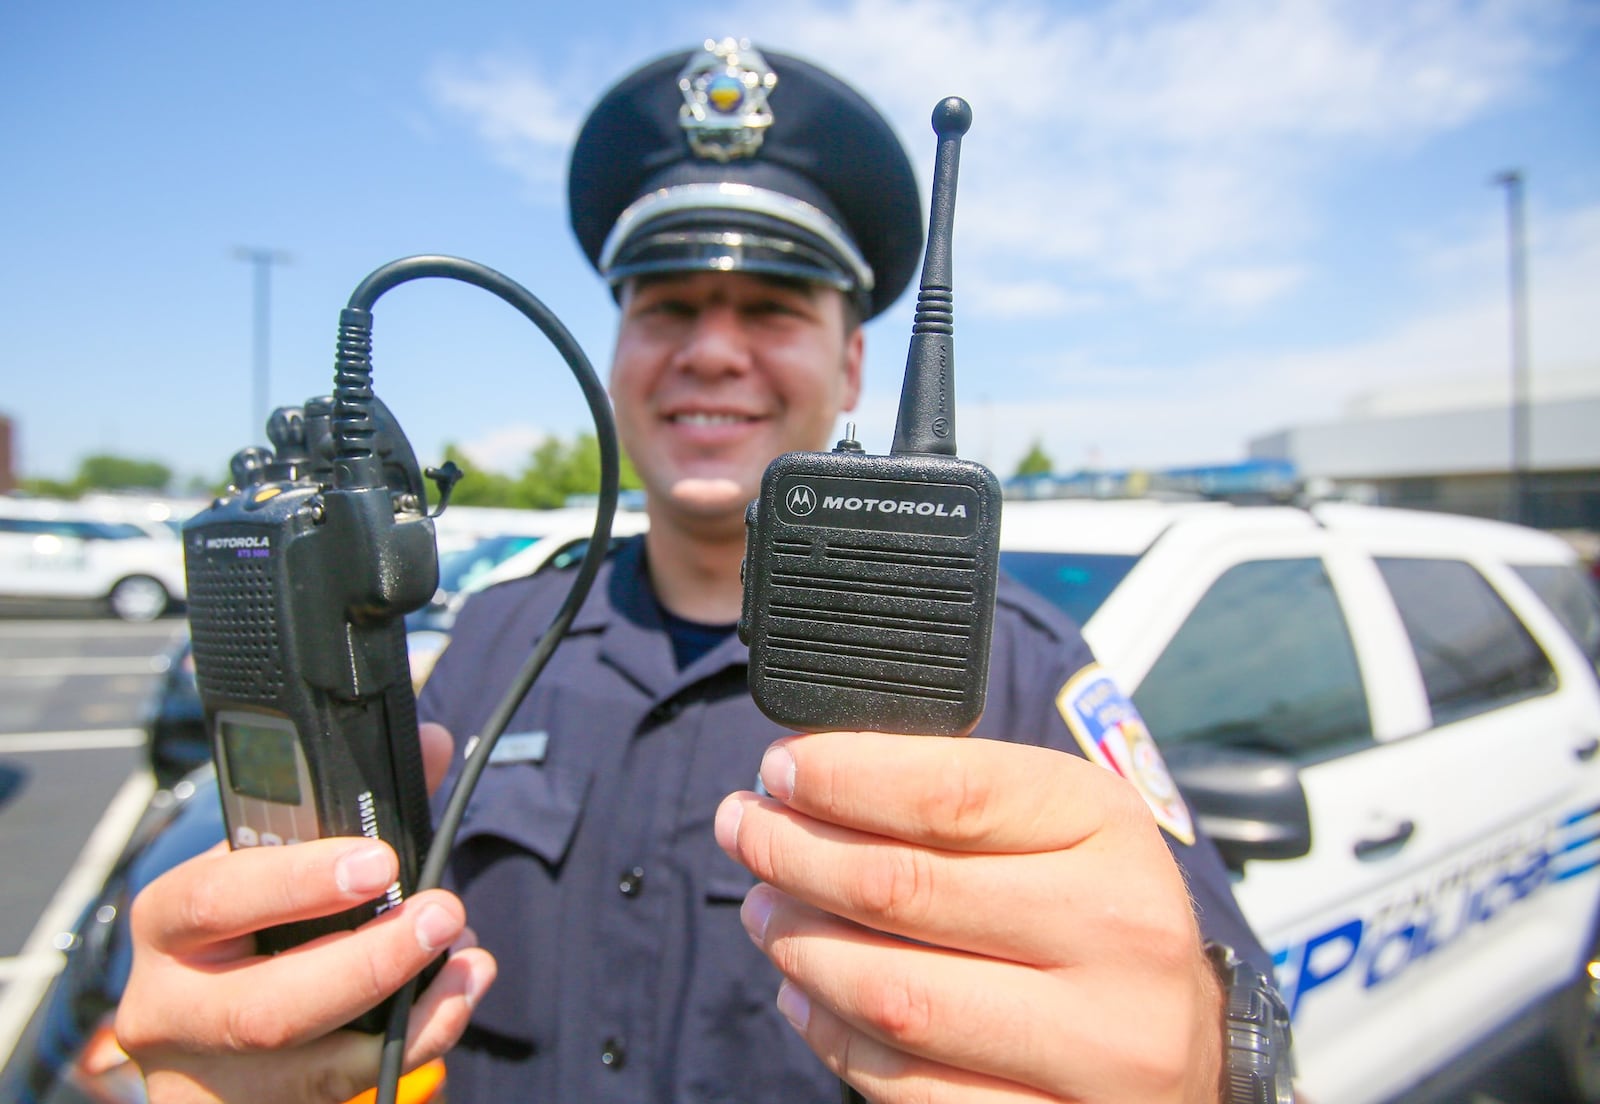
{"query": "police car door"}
pixel 42 556
pixel 1478 807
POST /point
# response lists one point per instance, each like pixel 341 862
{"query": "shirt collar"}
pixel 623 606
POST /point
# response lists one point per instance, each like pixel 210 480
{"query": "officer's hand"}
pixel 1056 958
pixel 208 1019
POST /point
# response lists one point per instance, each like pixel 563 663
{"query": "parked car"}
pixel 59 552
pixel 173 720
pixel 1390 723
pixel 1393 740
pixel 563 542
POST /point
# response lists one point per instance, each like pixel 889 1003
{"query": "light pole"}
pixel 1521 384
pixel 261 260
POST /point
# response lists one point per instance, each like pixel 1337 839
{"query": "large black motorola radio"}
pixel 297 593
pixel 300 576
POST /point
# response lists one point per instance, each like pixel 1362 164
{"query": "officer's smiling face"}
pixel 716 373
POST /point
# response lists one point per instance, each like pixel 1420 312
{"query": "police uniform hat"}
pixel 732 158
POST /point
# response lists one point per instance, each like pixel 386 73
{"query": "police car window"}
pixel 571 553
pixel 1474 652
pixel 1572 598
pixel 1264 661
pixel 1077 582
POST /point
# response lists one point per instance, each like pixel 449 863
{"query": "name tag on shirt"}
pixel 519 747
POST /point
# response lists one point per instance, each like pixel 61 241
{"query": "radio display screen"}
pixel 261 760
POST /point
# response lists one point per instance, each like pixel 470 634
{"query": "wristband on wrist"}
pixel 1257 1062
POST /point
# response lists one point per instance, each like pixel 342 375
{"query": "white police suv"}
pixel 61 551
pixel 1390 722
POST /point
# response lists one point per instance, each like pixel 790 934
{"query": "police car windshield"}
pixel 458 568
pixel 1076 581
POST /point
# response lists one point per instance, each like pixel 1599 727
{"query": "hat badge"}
pixel 725 113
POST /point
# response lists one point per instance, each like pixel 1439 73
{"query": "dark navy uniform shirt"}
pixel 588 866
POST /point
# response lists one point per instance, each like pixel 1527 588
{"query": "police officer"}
pixel 984 919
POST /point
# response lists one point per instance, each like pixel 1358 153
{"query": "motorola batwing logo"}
pixel 801 500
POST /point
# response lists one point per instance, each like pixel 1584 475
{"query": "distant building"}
pixel 1448 447
pixel 8 465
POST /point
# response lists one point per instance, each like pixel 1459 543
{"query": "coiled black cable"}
pixel 355 465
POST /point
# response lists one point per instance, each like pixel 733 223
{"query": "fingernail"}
pixel 777 772
pixel 366 870
pixel 795 1006
pixel 756 912
pixel 478 981
pixel 436 928
pixel 726 827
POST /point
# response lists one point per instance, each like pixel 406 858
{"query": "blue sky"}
pixel 1180 224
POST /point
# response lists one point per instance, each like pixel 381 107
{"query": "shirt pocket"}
pixel 731 1034
pixel 535 808
pixel 506 865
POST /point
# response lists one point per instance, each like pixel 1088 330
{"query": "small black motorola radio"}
pixel 869 581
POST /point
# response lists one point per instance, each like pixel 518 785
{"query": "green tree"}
pixel 49 488
pixel 541 485
pixel 104 472
pixel 477 486
pixel 556 470
pixel 1036 462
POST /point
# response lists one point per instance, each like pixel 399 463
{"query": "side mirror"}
pixel 1251 803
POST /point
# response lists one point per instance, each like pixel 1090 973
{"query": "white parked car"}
pixel 566 538
pixel 561 542
pixel 1389 721
pixel 57 550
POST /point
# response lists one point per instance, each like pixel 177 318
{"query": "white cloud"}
pixel 1212 72
pixel 504 449
pixel 1160 148
pixel 1244 288
pixel 1016 299
pixel 521 119
pixel 1136 416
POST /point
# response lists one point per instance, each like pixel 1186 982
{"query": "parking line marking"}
pixel 10 627
pixel 83 739
pixel 22 967
pixel 77 889
pixel 68 666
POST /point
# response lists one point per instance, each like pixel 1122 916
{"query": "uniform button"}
pixel 631 884
pixel 612 1053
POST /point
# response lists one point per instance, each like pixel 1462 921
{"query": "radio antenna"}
pixel 927 419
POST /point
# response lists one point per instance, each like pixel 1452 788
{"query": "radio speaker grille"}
pixel 232 620
pixel 871 618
